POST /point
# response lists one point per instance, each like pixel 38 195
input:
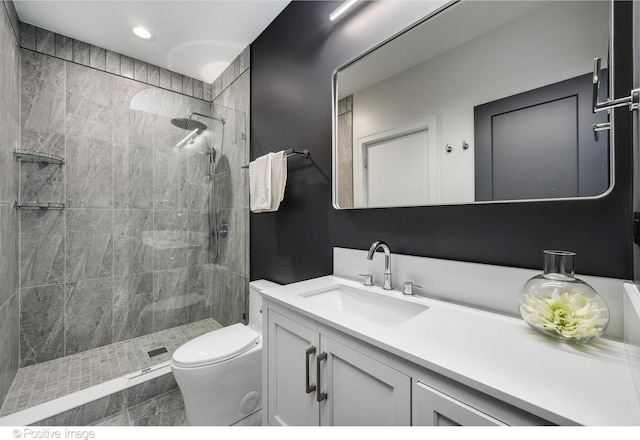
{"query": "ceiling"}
pixel 197 38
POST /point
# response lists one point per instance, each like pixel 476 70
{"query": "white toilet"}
pixel 219 373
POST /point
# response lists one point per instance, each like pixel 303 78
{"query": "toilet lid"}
pixel 215 346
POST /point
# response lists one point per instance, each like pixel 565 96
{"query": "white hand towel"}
pixel 267 180
pixel 278 178
pixel 260 184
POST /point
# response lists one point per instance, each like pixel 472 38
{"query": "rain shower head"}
pixel 188 124
pixel 195 127
pixel 191 124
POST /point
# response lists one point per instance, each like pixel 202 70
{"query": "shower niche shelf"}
pixel 39 205
pixel 35 156
pixel 43 158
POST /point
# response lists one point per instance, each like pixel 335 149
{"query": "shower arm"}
pixel 206 116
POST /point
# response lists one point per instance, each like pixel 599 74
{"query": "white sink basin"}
pixel 371 306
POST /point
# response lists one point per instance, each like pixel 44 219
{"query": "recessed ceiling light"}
pixel 142 32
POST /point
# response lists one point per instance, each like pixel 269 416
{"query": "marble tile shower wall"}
pixel 69 49
pixel 9 141
pixel 128 255
pixel 231 91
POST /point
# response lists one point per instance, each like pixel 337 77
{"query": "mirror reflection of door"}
pixel 540 145
pixel 395 171
pixel 398 166
pixel 468 54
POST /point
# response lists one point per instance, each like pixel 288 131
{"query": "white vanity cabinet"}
pixel 312 379
pixel 438 401
pixel 434 408
pixel 288 351
pixel 360 390
pixel 316 375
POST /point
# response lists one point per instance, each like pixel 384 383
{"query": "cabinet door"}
pixel 288 399
pixel 360 390
pixel 433 408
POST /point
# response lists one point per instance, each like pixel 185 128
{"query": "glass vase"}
pixel 560 305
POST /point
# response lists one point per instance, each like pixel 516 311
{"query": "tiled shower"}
pixel 9 141
pixel 129 254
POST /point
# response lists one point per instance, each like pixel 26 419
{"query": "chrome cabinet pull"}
pixel 320 395
pixel 310 387
pixel 633 100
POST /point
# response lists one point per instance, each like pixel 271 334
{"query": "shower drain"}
pixel 157 351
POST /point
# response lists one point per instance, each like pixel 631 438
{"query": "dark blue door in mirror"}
pixel 540 145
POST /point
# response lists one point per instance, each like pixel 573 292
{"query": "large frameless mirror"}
pixel 483 101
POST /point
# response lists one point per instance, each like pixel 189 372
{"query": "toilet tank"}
pixel 255 302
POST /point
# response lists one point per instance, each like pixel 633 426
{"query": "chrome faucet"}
pixel 387 261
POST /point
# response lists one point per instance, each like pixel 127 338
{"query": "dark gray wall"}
pixel 292 64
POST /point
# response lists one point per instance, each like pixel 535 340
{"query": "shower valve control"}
pixel 223 230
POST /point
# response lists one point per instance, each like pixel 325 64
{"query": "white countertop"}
pixel 589 384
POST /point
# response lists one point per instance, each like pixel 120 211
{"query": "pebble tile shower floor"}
pixel 46 381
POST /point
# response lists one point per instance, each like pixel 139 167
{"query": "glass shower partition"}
pixel 181 226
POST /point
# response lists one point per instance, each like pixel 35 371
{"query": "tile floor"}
pixel 46 381
pixel 164 410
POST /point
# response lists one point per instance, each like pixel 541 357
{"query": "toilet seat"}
pixel 216 346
